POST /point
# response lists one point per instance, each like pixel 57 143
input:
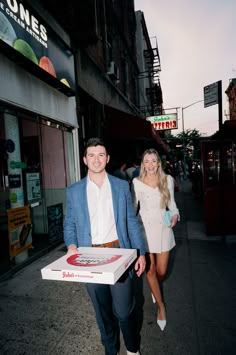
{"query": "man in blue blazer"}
pixel 100 214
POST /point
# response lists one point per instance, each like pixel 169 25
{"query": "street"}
pixel 44 317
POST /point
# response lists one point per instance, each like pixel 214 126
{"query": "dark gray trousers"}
pixel 114 308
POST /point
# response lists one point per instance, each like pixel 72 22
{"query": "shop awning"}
pixel 164 146
pixel 120 125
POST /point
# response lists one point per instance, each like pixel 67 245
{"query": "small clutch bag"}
pixel 167 218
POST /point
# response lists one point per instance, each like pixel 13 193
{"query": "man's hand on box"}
pixel 72 249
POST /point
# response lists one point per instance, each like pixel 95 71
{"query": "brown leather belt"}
pixel 113 244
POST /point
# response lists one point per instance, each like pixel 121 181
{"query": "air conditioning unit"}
pixel 113 71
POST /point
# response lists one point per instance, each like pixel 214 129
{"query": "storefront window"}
pixel 234 162
pixel 4 201
pixel 212 152
pixel 213 166
pixel 36 166
pixel 50 167
pixel 69 158
pixel 228 163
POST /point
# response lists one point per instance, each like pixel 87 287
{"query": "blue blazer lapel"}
pixel 84 201
pixel 115 196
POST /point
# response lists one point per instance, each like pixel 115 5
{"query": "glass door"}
pixel 47 149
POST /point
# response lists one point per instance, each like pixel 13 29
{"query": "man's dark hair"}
pixel 94 142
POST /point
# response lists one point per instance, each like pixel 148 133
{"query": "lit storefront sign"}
pixel 162 122
pixel 26 34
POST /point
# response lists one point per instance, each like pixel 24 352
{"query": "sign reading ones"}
pixel 22 29
pixel 162 122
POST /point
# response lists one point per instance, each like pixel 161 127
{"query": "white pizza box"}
pixel 92 265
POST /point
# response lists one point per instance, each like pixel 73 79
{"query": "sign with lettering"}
pixel 211 94
pixel 17 165
pixel 93 265
pixel 14 181
pixel 33 186
pixel 91 260
pixel 19 229
pixel 23 30
pixel 163 122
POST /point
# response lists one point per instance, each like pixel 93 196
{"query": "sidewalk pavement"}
pixel 44 317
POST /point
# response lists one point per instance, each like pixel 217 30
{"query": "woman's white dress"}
pixel 158 237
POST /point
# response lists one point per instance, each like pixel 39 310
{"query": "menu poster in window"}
pixel 20 230
pixel 33 186
pixel 55 222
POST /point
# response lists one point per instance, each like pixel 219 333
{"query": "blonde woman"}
pixel 153 191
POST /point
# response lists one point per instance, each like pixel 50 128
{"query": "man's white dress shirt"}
pixel 101 213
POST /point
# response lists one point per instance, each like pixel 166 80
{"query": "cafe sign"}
pixel 27 36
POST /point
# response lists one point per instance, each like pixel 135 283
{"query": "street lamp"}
pixel 183 108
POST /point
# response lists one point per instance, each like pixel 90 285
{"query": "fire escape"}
pixel 153 92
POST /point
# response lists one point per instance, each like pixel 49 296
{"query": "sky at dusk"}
pixel 197 47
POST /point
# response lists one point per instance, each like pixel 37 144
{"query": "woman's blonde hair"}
pixel 160 175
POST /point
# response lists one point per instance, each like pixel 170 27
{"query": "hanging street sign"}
pixel 211 94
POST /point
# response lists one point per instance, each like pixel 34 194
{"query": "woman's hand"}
pixel 174 220
pixel 140 265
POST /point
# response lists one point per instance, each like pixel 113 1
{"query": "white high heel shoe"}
pixel 161 323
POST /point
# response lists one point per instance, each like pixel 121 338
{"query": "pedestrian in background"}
pixel 153 192
pixel 137 168
pixel 180 171
pixel 100 214
pixel 120 171
pixel 129 171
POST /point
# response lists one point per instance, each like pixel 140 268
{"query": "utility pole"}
pixel 183 131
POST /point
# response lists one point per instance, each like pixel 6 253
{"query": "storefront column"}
pixel 14 159
pixel 16 193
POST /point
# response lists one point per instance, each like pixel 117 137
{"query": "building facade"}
pixel 69 72
pixel 231 93
pixel 107 73
pixel 38 129
pixel 148 60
